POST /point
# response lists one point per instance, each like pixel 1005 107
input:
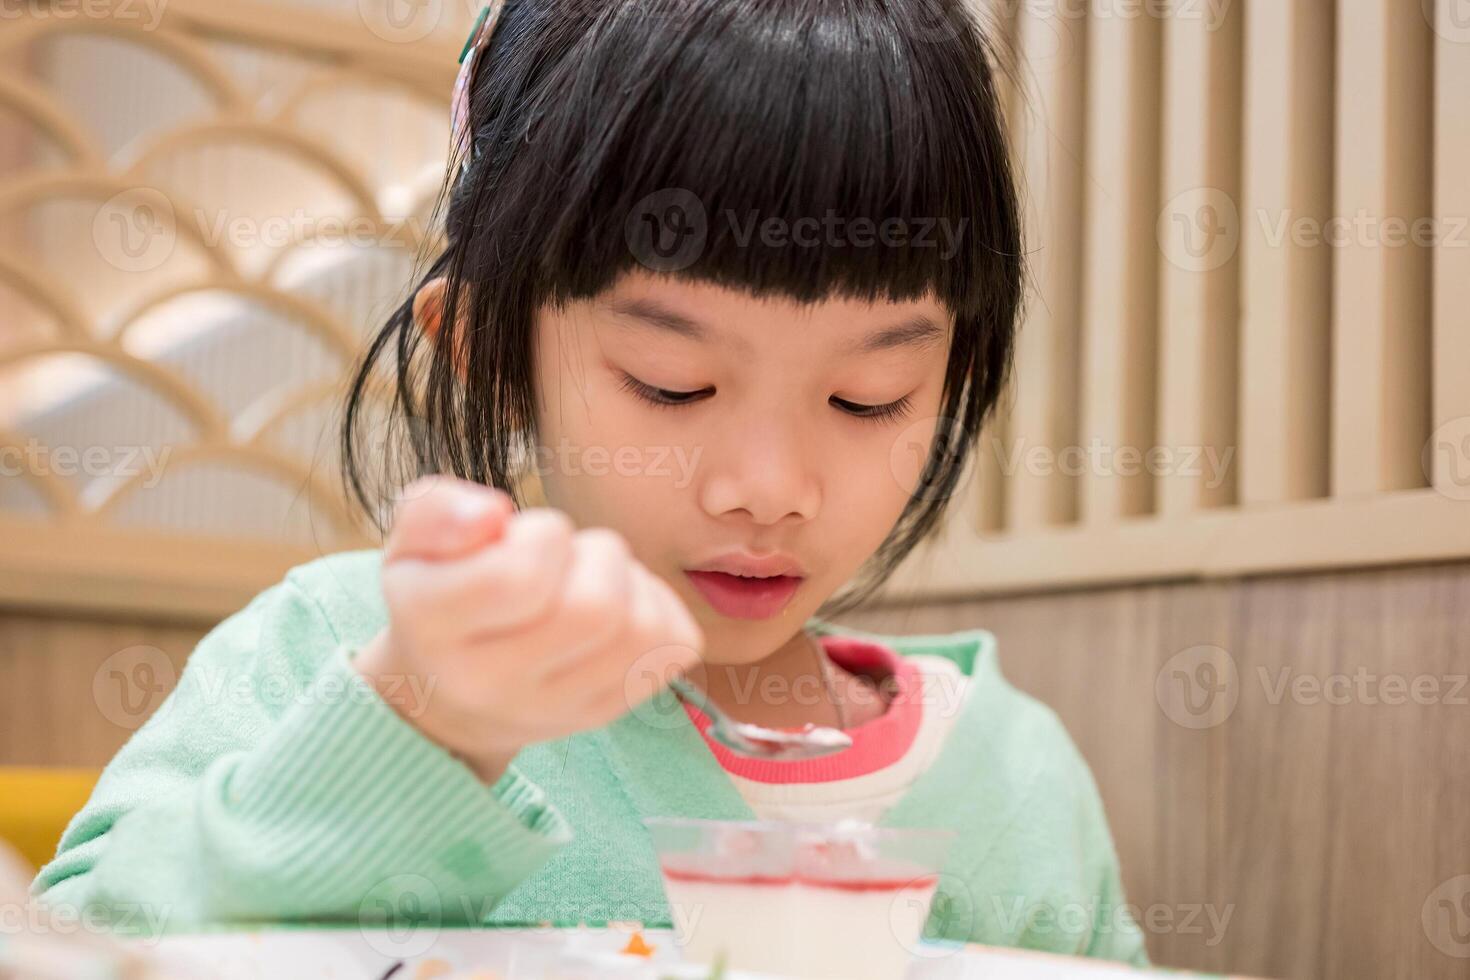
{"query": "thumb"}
pixel 441 518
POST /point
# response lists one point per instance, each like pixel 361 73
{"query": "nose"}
pixel 768 471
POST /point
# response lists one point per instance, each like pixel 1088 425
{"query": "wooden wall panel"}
pixel 1050 155
pixel 1199 308
pixel 1451 447
pixel 1398 795
pixel 71 693
pixel 1320 829
pixel 1381 367
pixel 1278 797
pixel 1120 291
pixel 1286 286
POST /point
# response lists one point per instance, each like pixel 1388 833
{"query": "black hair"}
pixel 590 115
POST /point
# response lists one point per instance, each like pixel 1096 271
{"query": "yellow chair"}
pixel 36 805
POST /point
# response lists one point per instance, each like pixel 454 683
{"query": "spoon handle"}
pixel 689 693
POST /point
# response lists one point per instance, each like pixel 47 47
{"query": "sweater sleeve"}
pixel 273 783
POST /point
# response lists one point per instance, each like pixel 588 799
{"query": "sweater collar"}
pixel 876 744
pixel 667 769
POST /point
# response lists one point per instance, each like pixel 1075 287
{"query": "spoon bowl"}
pixel 757 741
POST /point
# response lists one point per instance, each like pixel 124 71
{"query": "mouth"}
pixel 745 597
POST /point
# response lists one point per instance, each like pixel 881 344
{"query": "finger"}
pixel 594 602
pixel 629 685
pixel 440 518
pixel 517 582
pixel 661 640
pixel 507 585
pixel 596 668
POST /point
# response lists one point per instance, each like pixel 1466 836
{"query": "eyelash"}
pixel 674 399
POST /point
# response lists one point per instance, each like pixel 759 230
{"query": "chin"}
pixel 736 642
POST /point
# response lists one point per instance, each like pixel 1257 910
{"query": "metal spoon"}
pixel 811 742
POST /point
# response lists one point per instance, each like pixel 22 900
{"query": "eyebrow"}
pixel 918 331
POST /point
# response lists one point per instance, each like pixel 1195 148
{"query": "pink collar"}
pixel 876 744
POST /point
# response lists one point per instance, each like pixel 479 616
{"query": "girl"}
pixel 738 281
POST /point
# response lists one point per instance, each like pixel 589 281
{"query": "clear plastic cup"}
pixel 834 901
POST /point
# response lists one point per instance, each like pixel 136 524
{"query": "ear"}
pixel 428 316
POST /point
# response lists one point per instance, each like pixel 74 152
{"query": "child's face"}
pixel 766 458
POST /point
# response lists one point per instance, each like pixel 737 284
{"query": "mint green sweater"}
pixel 275 785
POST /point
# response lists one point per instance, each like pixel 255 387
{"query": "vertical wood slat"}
pixel 1120 265
pixel 1286 281
pixel 985 501
pixel 1001 19
pixel 1199 235
pixel 1451 341
pixel 1380 316
pixel 986 498
pixel 1050 152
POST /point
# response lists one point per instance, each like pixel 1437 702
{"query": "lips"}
pixel 741 597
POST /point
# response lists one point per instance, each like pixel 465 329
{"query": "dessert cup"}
pixel 834 901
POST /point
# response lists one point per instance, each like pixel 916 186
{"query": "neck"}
pixel 783 690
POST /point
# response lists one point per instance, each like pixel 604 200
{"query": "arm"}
pixel 275 783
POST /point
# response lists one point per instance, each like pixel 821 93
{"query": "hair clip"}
pixel 459 101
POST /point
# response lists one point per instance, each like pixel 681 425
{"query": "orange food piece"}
pixel 637 947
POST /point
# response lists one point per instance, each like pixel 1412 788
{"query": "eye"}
pixel 658 396
pixel 875 413
pixel 664 398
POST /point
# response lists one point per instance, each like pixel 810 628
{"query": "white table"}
pixel 534 954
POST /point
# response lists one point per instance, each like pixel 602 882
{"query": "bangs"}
pixel 778 148
pixel 797 149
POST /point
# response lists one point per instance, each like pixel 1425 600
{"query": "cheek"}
pixel 862 503
pixel 592 459
pixel 908 452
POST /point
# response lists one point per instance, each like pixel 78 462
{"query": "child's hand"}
pixel 508 628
